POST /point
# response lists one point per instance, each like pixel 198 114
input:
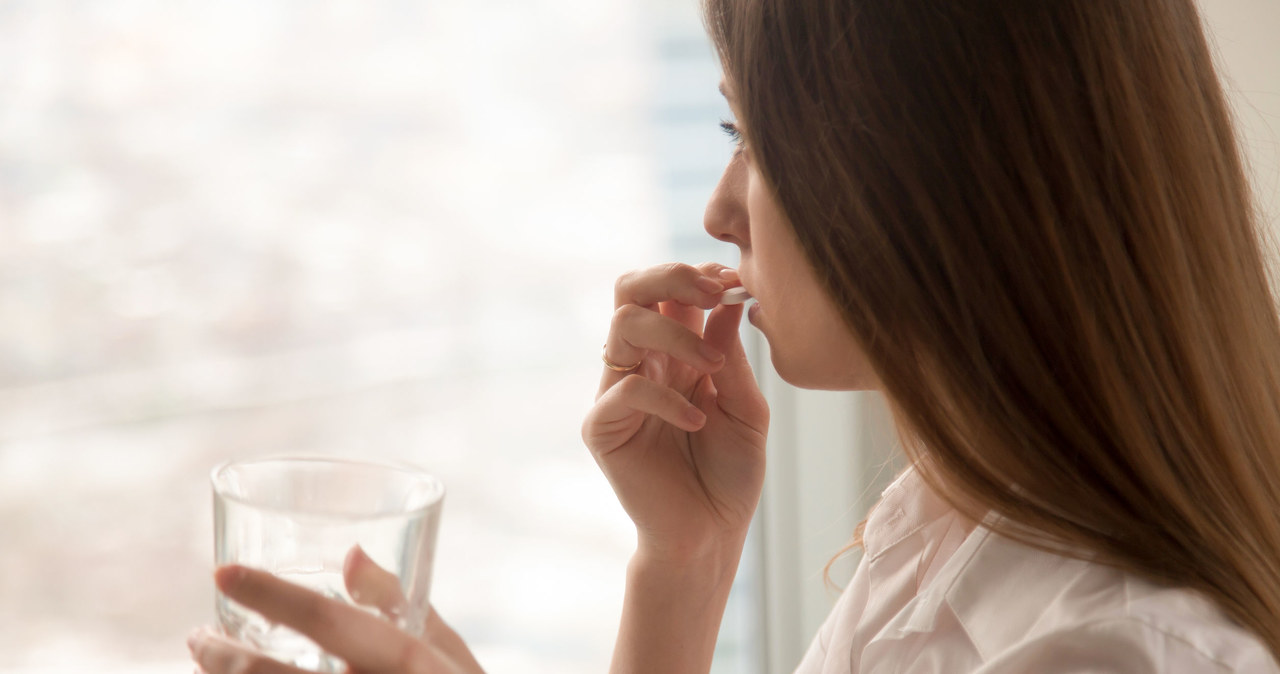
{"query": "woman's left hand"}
pixel 368 644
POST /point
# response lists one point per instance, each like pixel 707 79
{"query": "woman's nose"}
pixel 726 214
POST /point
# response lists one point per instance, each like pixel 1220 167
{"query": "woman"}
pixel 1027 224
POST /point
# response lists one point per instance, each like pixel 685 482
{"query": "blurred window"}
pixel 382 228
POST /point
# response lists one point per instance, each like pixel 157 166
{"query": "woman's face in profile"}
pixel 808 341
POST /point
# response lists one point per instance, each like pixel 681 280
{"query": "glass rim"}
pixel 434 482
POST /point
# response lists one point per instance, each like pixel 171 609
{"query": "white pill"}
pixel 735 296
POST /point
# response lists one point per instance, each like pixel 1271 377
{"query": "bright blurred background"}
pixel 382 228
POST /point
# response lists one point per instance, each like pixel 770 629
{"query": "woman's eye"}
pixel 733 132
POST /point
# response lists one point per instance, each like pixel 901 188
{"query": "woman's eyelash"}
pixel 731 130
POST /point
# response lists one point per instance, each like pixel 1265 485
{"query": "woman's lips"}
pixel 752 311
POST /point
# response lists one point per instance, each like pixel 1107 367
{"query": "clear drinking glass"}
pixel 298 518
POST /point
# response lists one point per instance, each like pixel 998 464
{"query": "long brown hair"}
pixel 1034 217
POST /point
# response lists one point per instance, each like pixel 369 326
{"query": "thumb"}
pixel 448 642
pixel 734 382
pixel 371 585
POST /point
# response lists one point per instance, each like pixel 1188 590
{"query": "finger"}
pixel 676 281
pixel 216 654
pixel 692 316
pixel 621 410
pixel 365 641
pixel 735 383
pixel 636 330
pixel 733 293
pixel 722 334
pixel 371 585
pixel 449 643
pixel 729 276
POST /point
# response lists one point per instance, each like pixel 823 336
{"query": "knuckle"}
pixel 617 325
pixel 632 385
pixel 681 269
pixel 624 280
pixel 627 313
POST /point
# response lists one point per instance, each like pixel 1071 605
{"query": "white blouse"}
pixel 937 593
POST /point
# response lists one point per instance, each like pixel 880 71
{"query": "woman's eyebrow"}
pixel 725 92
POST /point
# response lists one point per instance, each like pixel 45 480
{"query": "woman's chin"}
pixel 823 375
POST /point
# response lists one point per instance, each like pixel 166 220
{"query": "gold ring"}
pixel 614 366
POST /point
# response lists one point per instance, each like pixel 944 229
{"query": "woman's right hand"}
pixel 681 437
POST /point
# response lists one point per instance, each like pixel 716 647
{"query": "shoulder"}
pixel 1025 609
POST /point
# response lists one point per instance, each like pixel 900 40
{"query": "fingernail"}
pixel 708 285
pixel 694 415
pixel 729 274
pixel 706 351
